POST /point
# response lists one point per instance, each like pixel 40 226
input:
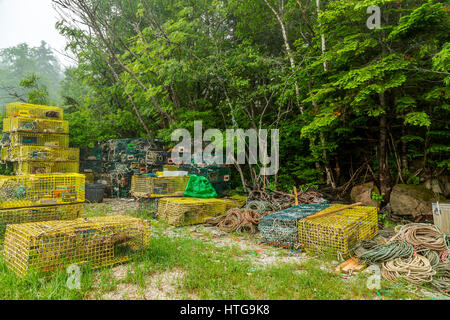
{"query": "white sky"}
pixel 31 21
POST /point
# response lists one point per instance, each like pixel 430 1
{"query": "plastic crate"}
pixel 37 214
pixel 17 139
pixel 281 228
pixel 42 189
pixel 35 125
pixel 46 167
pixel 153 187
pixel 97 242
pixel 27 110
pixel 36 153
pixel 188 211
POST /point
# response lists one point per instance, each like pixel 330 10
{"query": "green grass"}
pixel 208 272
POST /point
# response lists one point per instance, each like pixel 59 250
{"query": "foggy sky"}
pixel 30 21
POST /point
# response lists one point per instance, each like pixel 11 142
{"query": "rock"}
pixel 363 193
pixel 412 200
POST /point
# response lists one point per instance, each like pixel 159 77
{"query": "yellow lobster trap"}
pixel 38 139
pixel 154 187
pixel 37 153
pixel 46 167
pixel 37 214
pixel 340 231
pixel 187 211
pixel 96 242
pixel 35 125
pixel 27 110
pixel 42 189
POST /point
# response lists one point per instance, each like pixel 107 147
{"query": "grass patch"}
pixel 205 272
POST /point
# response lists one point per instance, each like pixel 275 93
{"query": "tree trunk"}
pixel 384 173
pixel 280 18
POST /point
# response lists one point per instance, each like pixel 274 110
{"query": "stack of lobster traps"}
pixel 114 162
pixel 36 140
pixel 46 185
pixel 41 207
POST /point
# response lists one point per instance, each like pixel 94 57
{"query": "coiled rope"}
pixel 260 206
pixel 416 269
pixel 421 237
pixel 442 279
pixel 237 220
pixel 379 252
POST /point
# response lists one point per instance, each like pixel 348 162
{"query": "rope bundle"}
pixel 442 279
pixel 416 269
pixel 421 236
pixel 260 206
pixel 379 252
pixel 400 256
pixel 238 220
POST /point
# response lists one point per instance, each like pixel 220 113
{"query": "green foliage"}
pixel 226 63
pixel 38 93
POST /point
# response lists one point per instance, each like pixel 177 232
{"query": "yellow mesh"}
pixel 27 110
pixel 367 217
pixel 39 139
pixel 340 231
pixel 89 176
pixel 333 233
pixel 37 214
pixel 46 167
pixel 97 242
pixel 240 201
pixel 43 189
pixel 187 211
pixel 35 125
pixel 36 153
pixel 154 187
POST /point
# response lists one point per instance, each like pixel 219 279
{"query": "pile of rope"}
pixel 421 236
pixel 416 269
pixel 442 279
pixel 379 252
pixel 260 206
pixel 237 220
pixel 277 199
pixel 280 200
pixel 417 252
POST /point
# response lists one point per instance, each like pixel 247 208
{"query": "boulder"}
pixel 363 193
pixel 413 200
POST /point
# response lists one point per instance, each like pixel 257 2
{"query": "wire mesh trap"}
pixel 188 211
pixel 43 189
pixel 281 228
pixel 46 167
pixel 37 214
pixel 37 153
pixel 16 139
pixel 97 242
pixel 35 125
pixel 338 232
pixel 152 187
pixel 27 110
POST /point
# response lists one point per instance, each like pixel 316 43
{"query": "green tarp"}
pixel 199 187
